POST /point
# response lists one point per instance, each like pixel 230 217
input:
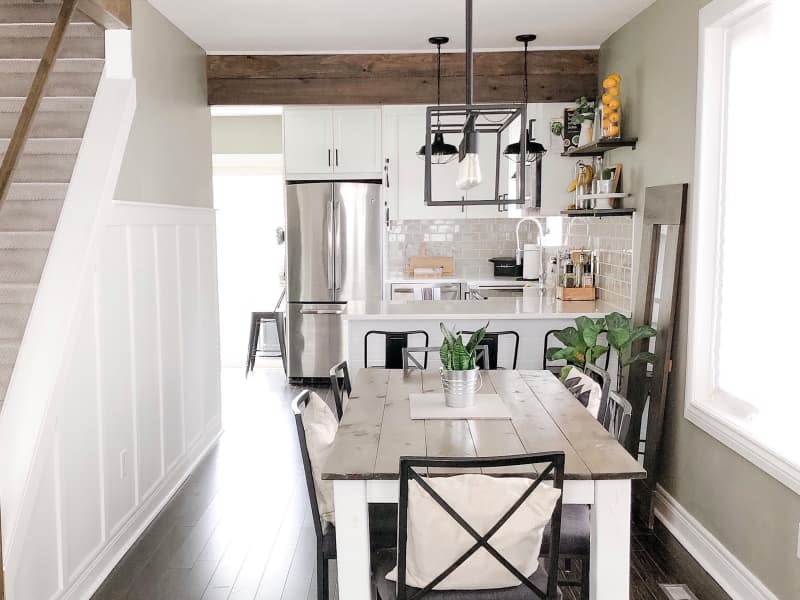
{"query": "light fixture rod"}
pixel 468 54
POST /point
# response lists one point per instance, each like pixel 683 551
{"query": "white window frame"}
pixel 716 19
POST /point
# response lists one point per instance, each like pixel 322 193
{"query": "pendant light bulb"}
pixel 469 169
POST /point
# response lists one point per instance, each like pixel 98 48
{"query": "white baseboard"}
pixel 96 572
pixel 735 578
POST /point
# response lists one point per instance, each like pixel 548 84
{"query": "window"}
pixel 743 381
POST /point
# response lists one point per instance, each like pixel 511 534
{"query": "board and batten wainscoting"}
pixel 140 402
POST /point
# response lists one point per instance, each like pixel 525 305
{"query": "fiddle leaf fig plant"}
pixel 621 335
pixel 454 354
pixel 580 342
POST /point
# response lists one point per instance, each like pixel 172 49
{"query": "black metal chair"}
pixel 556 368
pixel 603 379
pixel 339 391
pixel 382 517
pixel 492 341
pixel 410 362
pixel 541 584
pixel 394 342
pixel 576 526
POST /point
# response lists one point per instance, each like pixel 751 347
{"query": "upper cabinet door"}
pixel 357 142
pixel 308 141
pixel 404 133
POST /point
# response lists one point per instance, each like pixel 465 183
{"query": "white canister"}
pixel 531 261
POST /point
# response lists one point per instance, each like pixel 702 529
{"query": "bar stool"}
pixel 394 343
pixel 257 320
pixel 491 340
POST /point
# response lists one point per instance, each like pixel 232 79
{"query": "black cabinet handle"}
pixel 337 157
pixel 329 157
pixel 386 172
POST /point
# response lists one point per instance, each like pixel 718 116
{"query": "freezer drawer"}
pixel 316 339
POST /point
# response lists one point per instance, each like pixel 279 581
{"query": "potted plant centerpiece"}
pixel 461 378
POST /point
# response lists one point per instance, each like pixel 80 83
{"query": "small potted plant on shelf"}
pixel 583 116
pixel 461 378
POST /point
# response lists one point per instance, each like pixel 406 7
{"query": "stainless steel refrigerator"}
pixel 334 256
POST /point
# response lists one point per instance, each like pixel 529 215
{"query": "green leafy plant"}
pixel 455 355
pixel 583 112
pixel 580 342
pixel 556 127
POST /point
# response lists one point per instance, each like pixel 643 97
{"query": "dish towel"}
pixel 427 293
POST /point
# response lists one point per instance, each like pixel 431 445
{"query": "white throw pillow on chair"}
pixel 436 540
pixel 585 389
pixel 320 425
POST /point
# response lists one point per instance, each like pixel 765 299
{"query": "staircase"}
pixel 29 215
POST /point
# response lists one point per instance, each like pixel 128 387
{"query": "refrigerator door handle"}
pixel 331 275
pixel 338 246
pixel 321 311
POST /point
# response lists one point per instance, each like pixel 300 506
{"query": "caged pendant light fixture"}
pixel 534 150
pixel 441 151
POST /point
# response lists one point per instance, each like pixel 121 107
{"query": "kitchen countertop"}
pixel 470 281
pixel 530 306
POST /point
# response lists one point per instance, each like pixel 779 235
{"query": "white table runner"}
pixel 432 406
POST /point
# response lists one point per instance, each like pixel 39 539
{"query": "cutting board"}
pixel 445 263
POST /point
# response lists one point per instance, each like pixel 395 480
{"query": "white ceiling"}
pixel 351 26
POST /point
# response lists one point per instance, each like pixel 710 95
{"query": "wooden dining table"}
pixel 376 430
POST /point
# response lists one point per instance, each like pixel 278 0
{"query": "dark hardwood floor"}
pixel 240 528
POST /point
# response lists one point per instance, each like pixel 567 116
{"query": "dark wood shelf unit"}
pixel 598 212
pixel 602 146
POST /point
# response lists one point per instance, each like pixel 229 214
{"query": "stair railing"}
pixel 21 132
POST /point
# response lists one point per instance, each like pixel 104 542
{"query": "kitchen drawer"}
pixel 408 291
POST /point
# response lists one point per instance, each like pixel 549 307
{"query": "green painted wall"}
pixel 752 514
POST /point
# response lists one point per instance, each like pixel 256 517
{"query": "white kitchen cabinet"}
pixel 404 176
pixel 332 142
pixel 308 141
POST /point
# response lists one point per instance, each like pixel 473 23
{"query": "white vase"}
pixel 586 133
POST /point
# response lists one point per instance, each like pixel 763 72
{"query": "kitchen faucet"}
pixel 541 248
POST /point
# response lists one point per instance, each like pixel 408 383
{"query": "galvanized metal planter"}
pixel 460 387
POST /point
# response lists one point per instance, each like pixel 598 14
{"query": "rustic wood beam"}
pixel 554 76
pixel 20 136
pixel 111 14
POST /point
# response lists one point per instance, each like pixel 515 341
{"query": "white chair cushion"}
pixel 585 389
pixel 320 425
pixel 436 540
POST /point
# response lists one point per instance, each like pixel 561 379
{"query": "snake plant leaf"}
pixel 448 335
pixel 461 357
pixel 477 337
pixel 445 354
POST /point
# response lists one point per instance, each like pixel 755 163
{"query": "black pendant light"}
pixel 441 152
pixel 534 150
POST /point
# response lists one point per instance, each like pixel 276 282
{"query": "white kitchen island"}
pixel 531 316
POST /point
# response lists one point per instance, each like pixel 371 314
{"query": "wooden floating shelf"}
pixel 602 196
pixel 598 212
pixel 602 146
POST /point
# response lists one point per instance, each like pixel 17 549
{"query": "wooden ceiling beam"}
pixel 554 76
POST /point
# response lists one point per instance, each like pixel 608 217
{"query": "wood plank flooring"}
pixel 232 532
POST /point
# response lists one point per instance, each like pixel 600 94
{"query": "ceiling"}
pixel 352 26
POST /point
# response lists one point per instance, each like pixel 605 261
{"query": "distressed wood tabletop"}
pixel 377 429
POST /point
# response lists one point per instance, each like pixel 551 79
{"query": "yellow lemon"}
pixel 614 104
pixel 614 91
pixel 614 117
pixel 607 98
pixel 615 76
pixel 606 123
pixel 612 131
pixel 608 82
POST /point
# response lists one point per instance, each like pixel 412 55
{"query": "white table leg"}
pixel 352 539
pixel 611 540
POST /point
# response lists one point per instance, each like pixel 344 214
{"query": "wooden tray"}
pixel 445 263
pixel 582 293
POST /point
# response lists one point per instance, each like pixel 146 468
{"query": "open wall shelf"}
pixel 602 146
pixel 598 212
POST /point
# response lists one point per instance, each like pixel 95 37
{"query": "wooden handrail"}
pixel 20 136
pixel 110 14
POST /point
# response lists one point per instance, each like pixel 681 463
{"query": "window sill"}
pixel 742 441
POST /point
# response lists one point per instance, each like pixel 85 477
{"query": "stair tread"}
pixel 50 104
pixel 64 146
pixel 63 65
pixel 26 30
pixel 24 191
pixel 25 240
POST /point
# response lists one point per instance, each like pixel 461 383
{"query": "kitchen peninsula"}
pixel 532 315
